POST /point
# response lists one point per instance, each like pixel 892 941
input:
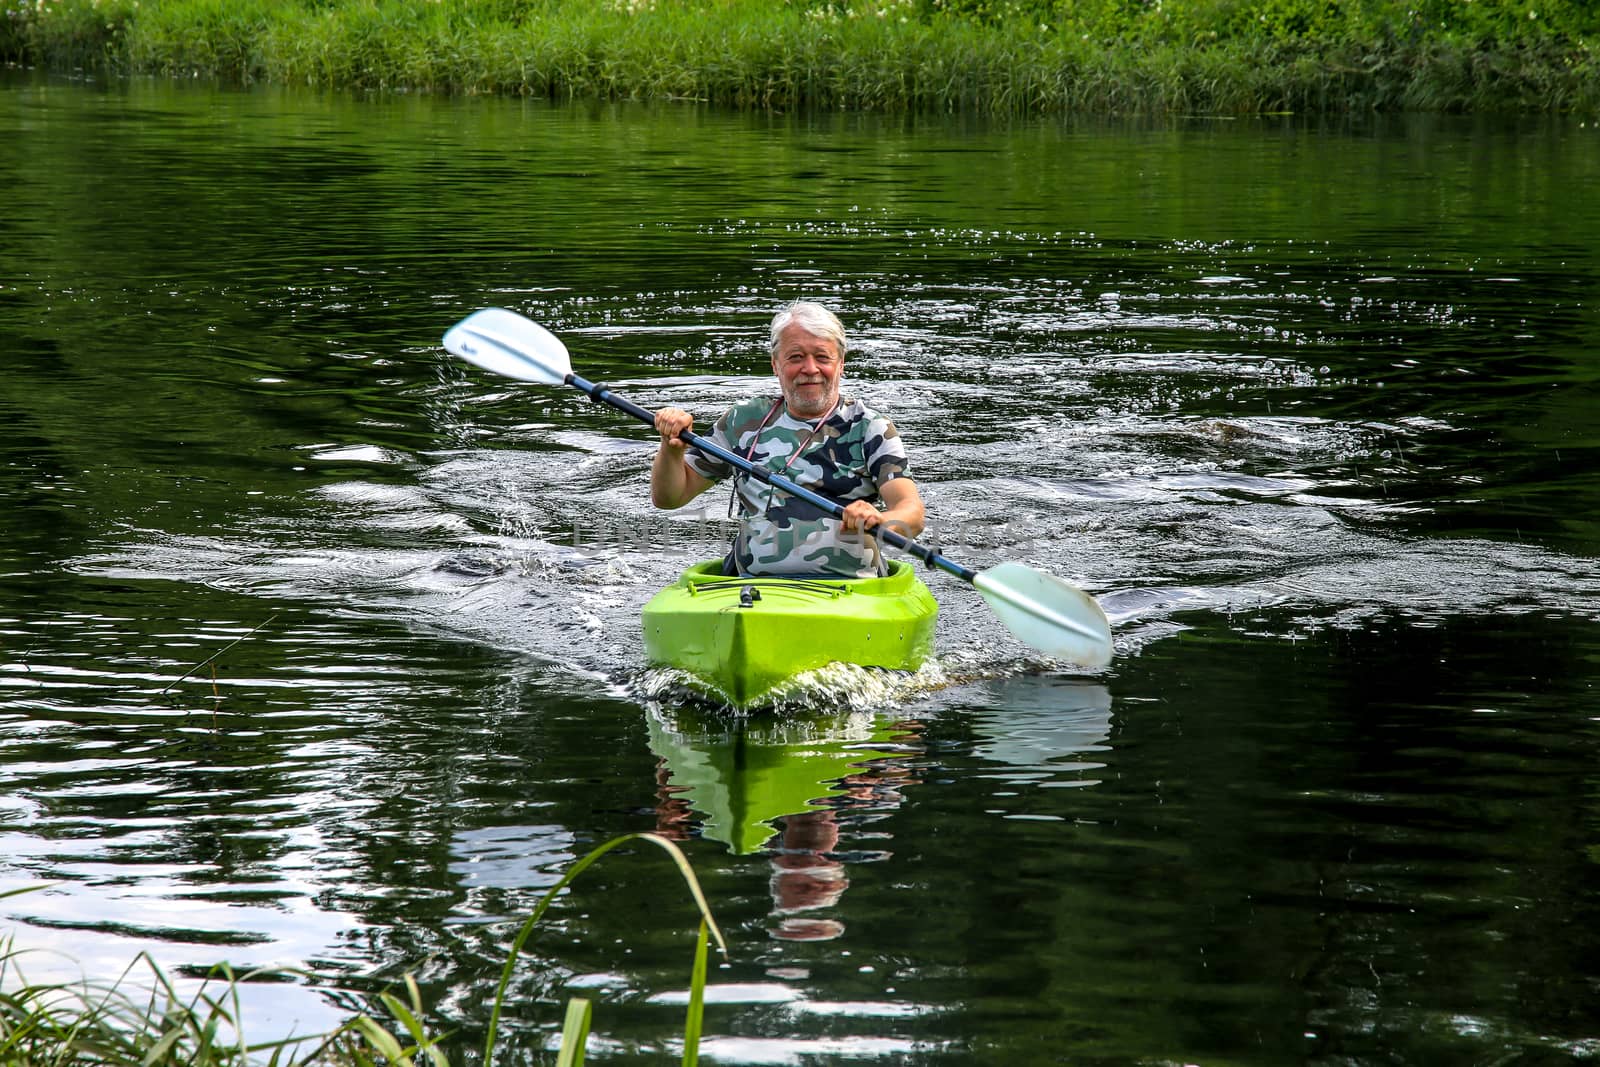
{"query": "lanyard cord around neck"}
pixel 773 410
pixel 755 440
pixel 880 564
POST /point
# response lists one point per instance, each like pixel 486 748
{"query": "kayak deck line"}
pixel 798 585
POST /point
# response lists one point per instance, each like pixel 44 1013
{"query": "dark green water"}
pixel 1312 409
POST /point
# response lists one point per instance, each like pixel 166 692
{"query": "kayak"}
pixel 745 637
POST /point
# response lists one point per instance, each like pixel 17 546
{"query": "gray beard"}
pixel 792 405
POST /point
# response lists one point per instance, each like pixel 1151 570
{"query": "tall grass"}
pixel 87 1023
pixel 997 56
pixel 142 1020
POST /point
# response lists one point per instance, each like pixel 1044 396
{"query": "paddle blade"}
pixel 1058 619
pixel 507 343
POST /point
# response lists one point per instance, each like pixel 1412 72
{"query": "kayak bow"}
pixel 746 637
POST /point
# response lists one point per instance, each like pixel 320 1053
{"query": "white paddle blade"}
pixel 507 343
pixel 1058 619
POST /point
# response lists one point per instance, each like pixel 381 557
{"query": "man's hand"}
pixel 860 515
pixel 670 422
pixel 673 483
pixel 903 512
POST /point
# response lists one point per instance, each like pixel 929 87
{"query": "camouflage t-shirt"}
pixel 854 453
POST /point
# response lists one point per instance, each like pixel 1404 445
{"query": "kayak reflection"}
pixel 741 776
pixel 784 785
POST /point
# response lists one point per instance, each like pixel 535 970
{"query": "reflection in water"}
pixel 1034 724
pixel 808 874
pixel 742 774
pixel 806 878
pixel 510 857
pixel 789 785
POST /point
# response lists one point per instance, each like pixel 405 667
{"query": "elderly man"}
pixel 810 434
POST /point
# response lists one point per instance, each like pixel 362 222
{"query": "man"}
pixel 810 434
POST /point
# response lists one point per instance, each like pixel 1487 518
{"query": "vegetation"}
pixel 997 56
pixel 78 1025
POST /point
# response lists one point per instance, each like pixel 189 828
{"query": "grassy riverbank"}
pixel 995 56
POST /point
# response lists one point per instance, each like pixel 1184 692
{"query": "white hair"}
pixel 814 319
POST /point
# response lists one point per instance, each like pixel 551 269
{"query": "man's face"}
pixel 808 368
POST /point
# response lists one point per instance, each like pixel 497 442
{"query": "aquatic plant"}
pixel 89 1023
pixel 150 1024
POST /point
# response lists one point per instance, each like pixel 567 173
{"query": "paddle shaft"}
pixel 601 395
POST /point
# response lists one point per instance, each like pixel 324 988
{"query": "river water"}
pixel 1310 406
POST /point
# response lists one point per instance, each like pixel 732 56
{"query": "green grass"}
pixel 141 1020
pixel 992 56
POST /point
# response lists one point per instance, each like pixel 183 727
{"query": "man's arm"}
pixel 673 483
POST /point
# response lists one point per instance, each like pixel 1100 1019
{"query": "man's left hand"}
pixel 860 515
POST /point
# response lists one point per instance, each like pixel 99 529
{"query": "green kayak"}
pixel 746 637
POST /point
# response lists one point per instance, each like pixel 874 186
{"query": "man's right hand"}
pixel 673 483
pixel 670 422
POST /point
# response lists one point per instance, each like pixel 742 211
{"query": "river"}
pixel 1309 405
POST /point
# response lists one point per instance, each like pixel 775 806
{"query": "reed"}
pixel 130 1021
pixel 141 1020
pixel 993 56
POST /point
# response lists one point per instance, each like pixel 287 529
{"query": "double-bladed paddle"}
pixel 1054 617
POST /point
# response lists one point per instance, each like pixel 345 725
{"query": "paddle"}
pixel 1041 609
